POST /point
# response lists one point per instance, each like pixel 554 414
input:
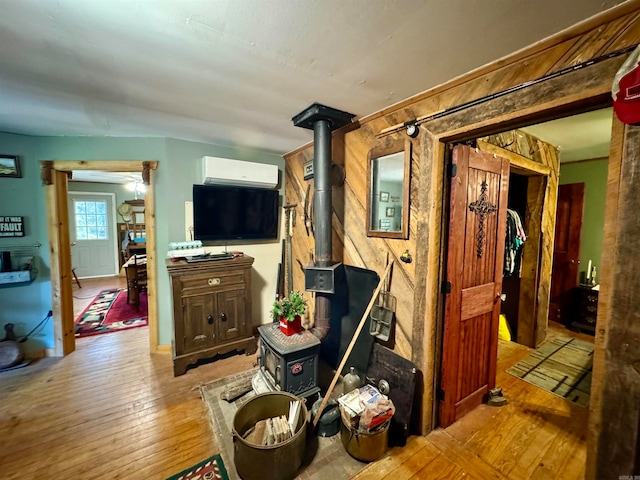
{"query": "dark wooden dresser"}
pixel 584 311
pixel 211 309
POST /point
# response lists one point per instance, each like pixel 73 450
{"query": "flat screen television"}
pixel 226 213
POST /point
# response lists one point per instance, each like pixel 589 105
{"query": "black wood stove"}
pixel 289 363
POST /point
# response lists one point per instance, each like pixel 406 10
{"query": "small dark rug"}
pixel 210 469
pixel 562 366
pixel 110 312
pixel 325 457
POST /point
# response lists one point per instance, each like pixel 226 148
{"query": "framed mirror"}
pixel 389 168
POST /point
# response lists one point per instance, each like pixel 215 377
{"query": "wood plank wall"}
pixel 416 285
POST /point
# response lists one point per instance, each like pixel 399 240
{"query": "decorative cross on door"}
pixel 482 208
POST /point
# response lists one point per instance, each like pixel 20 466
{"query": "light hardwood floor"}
pixel 113 410
pixel 537 435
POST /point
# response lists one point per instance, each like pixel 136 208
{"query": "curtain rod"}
pixel 478 101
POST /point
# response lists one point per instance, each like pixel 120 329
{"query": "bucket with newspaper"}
pixel 262 447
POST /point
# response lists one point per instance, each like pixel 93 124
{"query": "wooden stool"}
pixel 73 271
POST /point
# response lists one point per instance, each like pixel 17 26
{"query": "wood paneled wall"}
pixel 417 285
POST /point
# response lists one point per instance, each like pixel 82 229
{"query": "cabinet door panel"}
pixel 231 319
pixel 199 315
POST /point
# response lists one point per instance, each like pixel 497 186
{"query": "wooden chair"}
pixel 75 277
pixel 136 271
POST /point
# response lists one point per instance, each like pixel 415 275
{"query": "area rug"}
pixel 210 469
pixel 110 312
pixel 562 366
pixel 325 457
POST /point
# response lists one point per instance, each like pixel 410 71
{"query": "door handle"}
pixel 210 319
pixel 501 296
pixel 223 317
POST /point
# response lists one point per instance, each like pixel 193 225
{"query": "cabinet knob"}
pixel 223 317
pixel 213 281
pixel 210 319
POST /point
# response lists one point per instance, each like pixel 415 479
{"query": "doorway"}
pixel 527 273
pixel 93 234
pixel 55 178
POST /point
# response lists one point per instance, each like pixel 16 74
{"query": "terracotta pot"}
pixel 291 328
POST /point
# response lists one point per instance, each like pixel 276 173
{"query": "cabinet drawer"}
pixel 211 280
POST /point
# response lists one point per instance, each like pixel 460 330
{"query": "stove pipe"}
pixel 323 120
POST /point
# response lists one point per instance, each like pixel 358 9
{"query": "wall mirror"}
pixel 388 190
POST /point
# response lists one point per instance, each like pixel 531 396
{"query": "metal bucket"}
pixel 365 447
pixel 274 462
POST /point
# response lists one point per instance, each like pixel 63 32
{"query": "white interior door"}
pixel 92 234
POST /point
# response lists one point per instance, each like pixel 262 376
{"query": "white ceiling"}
pixel 234 72
pixel 579 137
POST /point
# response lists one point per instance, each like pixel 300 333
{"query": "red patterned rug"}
pixel 109 312
pixel 211 469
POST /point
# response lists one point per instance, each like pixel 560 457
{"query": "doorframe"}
pixel 552 98
pixel 532 324
pixel 55 174
pixel 114 223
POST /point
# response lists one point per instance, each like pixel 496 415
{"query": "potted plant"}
pixel 288 312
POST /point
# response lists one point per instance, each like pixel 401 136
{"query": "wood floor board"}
pixel 469 461
pixel 396 456
pixel 415 463
pixel 113 410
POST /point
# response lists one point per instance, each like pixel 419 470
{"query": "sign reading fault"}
pixel 11 226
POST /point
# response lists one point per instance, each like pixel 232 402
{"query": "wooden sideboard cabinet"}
pixel 211 309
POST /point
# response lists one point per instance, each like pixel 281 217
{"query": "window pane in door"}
pixel 91 220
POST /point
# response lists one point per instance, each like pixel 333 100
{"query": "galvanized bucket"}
pixel 275 462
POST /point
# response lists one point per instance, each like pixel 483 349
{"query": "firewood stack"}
pixel 275 430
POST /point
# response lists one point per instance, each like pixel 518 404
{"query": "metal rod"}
pixel 478 101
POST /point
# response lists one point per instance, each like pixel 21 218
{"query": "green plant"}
pixel 289 307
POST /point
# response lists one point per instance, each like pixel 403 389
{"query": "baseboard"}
pixel 164 349
pixel 38 353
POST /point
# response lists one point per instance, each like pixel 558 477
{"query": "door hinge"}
pixel 446 287
pixel 452 170
pixel 440 394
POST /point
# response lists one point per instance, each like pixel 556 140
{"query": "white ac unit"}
pixel 224 171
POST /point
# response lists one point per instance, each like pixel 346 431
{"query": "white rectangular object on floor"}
pixel 224 171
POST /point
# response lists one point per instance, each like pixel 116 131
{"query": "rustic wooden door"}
pixel 566 247
pixel 475 259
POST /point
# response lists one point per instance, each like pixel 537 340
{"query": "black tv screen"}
pixel 224 213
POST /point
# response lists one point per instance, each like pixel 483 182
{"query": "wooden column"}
pixel 60 263
pixel 613 444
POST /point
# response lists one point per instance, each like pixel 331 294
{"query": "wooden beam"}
pixel 427 300
pixel 614 420
pixel 152 269
pixel 106 165
pixel 528 301
pixel 60 264
pixel 520 164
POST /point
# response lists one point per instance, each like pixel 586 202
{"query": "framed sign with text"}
pixel 11 226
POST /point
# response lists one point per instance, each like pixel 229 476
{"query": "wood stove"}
pixel 289 363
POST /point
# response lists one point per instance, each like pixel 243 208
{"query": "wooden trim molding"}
pixel 55 176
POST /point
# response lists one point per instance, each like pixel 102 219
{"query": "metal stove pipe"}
pixel 323 120
pixel 323 214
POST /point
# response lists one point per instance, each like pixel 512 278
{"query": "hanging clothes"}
pixel 514 241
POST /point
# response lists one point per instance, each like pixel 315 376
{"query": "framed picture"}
pixel 391 211
pixel 9 166
pixel 384 196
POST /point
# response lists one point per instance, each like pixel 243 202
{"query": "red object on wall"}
pixel 626 90
pixel 291 328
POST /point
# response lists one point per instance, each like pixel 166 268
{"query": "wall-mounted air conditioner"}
pixel 224 171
